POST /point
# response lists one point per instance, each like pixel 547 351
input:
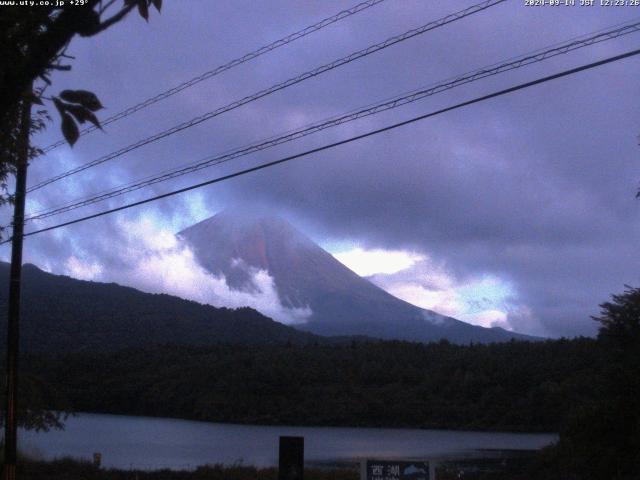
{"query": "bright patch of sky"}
pixel 417 279
pixel 370 262
pixel 485 292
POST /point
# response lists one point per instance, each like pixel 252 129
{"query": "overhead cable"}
pixel 277 87
pixel 263 166
pixel 223 68
pixel 398 101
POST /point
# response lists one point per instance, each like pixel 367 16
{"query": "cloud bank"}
pixel 486 300
pixel 155 261
pixel 535 188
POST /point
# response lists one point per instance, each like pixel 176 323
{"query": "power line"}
pixel 227 66
pixel 613 31
pixel 341 142
pixel 277 87
pixel 538 56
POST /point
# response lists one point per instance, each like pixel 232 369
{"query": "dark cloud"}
pixel 536 188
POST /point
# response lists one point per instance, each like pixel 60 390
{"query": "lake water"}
pixel 153 443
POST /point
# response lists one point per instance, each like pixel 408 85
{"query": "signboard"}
pixel 396 470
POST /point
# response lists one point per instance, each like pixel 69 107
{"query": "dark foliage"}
pixel 511 386
pixel 66 469
pixel 602 437
pixel 34 40
pixel 36 397
pixel 62 314
pixel 33 44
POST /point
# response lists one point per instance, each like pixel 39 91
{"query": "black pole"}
pixel 13 324
pixel 291 458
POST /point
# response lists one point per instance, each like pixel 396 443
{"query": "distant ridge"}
pixel 62 314
pixel 306 276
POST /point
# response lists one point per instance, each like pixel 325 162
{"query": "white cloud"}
pixel 84 270
pixel 445 301
pixel 486 300
pixel 155 261
pixel 488 318
pixel 370 262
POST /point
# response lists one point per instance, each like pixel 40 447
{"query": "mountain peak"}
pixel 235 243
pixel 244 218
pixel 239 244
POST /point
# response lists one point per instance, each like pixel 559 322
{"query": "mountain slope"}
pixel 305 275
pixel 60 313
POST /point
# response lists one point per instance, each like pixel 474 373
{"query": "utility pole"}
pixel 13 318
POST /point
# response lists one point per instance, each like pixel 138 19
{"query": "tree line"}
pixel 516 386
pixel 586 389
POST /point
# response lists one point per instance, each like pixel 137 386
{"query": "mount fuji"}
pixel 308 279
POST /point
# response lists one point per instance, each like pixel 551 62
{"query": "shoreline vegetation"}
pixel 587 389
pixel 512 387
pixel 73 469
pixel 510 468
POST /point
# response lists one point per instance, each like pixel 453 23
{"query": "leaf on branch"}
pixel 89 24
pixel 82 114
pixel 60 106
pixel 143 9
pixel 69 129
pixel 83 97
pixel 157 4
pixel 34 98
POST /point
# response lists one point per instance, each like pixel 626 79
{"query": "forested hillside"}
pixel 62 314
pixel 511 386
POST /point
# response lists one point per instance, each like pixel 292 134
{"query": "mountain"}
pixel 308 277
pixel 62 314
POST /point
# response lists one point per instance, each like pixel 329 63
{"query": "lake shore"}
pixel 67 469
pixel 517 468
pixel 145 443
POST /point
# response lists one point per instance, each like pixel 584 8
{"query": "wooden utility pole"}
pixel 13 323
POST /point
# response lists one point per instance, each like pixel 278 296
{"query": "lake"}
pixel 152 443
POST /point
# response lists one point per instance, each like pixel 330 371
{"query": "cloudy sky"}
pixel 518 211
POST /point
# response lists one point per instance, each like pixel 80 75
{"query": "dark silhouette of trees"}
pixel 35 411
pixel 508 386
pixel 619 411
pixel 602 437
pixel 33 44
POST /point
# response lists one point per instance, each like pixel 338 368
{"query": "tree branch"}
pixel 106 7
pixel 109 22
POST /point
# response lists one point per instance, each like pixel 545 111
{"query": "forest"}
pixel 516 386
pixel 586 389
